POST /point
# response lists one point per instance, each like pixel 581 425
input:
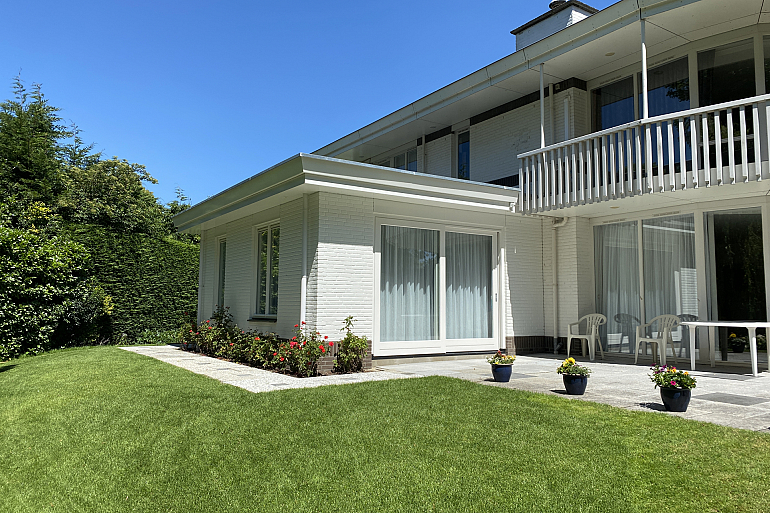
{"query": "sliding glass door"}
pixel 437 290
pixel 667 273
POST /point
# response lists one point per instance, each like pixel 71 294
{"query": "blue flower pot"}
pixel 675 399
pixel 575 384
pixel 501 373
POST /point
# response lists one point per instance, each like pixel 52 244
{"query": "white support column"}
pixel 645 108
pixel 542 110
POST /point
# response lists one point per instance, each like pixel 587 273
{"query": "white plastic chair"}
pixel 591 335
pixel 666 323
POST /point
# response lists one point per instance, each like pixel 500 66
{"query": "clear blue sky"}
pixel 206 94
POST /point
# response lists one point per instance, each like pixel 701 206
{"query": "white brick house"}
pixel 435 225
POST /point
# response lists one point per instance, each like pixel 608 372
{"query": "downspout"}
pixel 555 293
pixel 303 283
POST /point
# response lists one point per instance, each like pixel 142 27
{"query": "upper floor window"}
pixel 726 73
pixel 613 104
pixel 406 161
pixel 464 155
pixel 668 88
pixel 268 238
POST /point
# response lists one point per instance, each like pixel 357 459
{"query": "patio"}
pixel 726 396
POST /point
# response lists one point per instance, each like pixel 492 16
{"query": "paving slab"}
pixel 726 398
pixel 253 379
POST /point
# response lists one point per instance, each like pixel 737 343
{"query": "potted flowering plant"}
pixel 501 366
pixel 675 386
pixel 736 343
pixel 574 375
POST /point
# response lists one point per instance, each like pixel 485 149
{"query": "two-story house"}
pixel 617 162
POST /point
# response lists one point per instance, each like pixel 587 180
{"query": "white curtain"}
pixel 669 267
pixel 468 286
pixel 617 284
pixel 408 284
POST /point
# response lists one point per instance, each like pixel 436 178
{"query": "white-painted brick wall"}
pixel 524 258
pixel 345 259
pixel 439 155
pixel 496 142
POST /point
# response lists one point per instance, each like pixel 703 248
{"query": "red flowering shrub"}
pixel 303 351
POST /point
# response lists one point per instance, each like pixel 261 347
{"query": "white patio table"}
pixel 711 325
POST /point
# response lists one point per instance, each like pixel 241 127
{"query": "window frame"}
pixel 221 272
pixel 268 314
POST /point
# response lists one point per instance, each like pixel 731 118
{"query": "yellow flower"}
pixel 686 373
pixel 732 335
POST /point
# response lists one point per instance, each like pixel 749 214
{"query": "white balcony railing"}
pixel 656 155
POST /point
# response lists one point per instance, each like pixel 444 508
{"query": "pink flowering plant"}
pixel 668 376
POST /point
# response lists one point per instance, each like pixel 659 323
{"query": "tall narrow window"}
pixel 411 160
pixel 464 155
pixel 409 284
pixel 268 239
pixel 222 260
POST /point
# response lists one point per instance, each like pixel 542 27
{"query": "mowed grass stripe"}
pixel 101 429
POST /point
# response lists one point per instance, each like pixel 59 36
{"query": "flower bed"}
pixel 302 355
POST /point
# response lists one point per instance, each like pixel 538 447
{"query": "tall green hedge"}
pixel 153 282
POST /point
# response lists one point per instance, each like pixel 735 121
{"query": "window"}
pixel 464 155
pixel 268 238
pixel 613 104
pixel 668 88
pixel 726 73
pixel 221 284
pixel 406 161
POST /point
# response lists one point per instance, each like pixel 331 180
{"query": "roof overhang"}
pixel 600 44
pixel 307 174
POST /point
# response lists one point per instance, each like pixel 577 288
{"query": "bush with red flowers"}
pixel 304 349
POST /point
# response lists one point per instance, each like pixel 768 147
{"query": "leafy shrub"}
pixel 304 350
pixel 46 296
pixel 158 337
pixel 351 350
pixel 152 282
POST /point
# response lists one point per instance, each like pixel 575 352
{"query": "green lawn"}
pixel 101 429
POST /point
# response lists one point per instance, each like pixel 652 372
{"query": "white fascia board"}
pixel 347 177
pixel 307 173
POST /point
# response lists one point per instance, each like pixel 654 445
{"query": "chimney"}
pixel 561 14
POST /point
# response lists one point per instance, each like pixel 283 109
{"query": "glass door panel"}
pixel 616 252
pixel 469 311
pixel 409 284
pixel 670 278
pixel 736 278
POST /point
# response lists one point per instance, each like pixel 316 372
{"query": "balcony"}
pixel 651 156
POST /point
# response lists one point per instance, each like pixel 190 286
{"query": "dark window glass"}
pixel 411 160
pixel 668 88
pixel 668 91
pixel 464 156
pixel 222 260
pixel 399 161
pixel 766 41
pixel 726 73
pixel 613 104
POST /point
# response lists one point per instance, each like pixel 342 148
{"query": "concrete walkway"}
pixel 729 399
pixel 250 378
